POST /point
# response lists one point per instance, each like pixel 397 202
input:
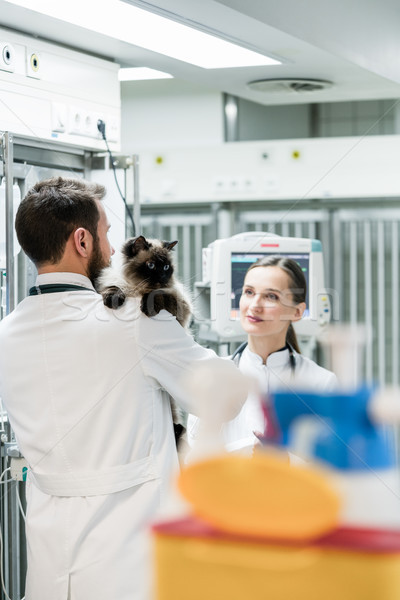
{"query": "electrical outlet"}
pixel 7 57
pixel 90 124
pixel 18 469
pixel 82 122
pixel 76 120
pixel 271 183
pixel 58 117
pixel 235 184
pixel 249 185
pixel 112 131
pixel 87 125
pixel 220 185
pixel 242 184
pixel 33 64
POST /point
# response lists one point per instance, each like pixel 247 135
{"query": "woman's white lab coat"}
pixel 83 387
pixel 238 434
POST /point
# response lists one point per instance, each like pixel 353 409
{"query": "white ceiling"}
pixel 353 43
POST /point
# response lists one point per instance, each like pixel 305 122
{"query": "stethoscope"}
pixel 236 356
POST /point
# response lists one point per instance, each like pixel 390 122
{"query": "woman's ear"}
pixel 299 311
pixel 83 241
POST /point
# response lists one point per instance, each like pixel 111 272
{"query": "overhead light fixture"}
pixel 141 73
pixel 122 21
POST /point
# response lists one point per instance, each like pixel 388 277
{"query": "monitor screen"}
pixel 241 261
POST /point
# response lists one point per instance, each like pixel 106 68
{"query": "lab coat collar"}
pixel 72 278
pixel 276 359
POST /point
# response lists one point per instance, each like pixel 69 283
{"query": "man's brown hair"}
pixel 51 210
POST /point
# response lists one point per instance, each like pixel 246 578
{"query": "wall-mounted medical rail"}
pixel 7 155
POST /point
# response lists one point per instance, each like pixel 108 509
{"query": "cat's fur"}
pixel 148 273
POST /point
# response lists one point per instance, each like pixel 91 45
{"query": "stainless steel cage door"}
pixel 366 277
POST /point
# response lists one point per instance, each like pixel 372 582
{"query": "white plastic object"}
pixel 218 389
pixel 16 203
pixel 384 406
pixel 344 344
pixel 371 498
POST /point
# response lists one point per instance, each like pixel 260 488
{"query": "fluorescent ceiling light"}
pixel 141 73
pixel 136 26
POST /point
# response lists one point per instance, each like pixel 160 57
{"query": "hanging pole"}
pixel 8 158
pixel 136 197
pixel 231 113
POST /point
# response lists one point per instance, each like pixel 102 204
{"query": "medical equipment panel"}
pixel 225 263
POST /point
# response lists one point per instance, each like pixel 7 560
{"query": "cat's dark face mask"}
pixel 157 270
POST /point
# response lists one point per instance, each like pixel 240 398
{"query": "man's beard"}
pixel 96 263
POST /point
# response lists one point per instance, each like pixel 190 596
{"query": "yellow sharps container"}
pixel 263 529
pixel 194 561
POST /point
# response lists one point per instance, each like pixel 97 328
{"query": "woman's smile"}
pixel 253 319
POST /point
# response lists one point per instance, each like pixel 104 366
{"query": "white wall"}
pixel 167 113
pixel 342 167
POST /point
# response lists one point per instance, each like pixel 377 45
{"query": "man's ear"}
pixel 82 241
pixel 298 311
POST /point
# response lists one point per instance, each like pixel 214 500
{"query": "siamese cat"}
pixel 148 273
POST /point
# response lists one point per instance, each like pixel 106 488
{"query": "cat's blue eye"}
pixel 151 265
pixel 166 267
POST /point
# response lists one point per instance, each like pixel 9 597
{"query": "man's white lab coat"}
pixel 83 387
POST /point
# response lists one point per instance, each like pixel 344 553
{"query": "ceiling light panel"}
pixel 153 32
pixel 141 73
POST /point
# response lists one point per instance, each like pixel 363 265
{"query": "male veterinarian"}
pixel 84 389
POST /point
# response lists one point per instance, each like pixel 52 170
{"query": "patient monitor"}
pixel 225 263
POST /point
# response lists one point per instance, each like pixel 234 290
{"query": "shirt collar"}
pixel 276 359
pixel 72 278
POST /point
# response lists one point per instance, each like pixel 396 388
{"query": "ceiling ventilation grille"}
pixel 298 86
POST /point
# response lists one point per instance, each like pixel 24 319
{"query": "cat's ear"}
pixel 170 245
pixel 134 245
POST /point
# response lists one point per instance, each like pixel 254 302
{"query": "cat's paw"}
pixel 148 307
pixel 113 297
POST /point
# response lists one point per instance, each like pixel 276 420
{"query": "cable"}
pixel 101 126
pixel 3 585
pixel 21 508
pixel 3 473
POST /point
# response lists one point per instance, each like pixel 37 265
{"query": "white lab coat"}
pixel 84 389
pixel 276 373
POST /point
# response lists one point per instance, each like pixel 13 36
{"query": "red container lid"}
pixel 344 538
